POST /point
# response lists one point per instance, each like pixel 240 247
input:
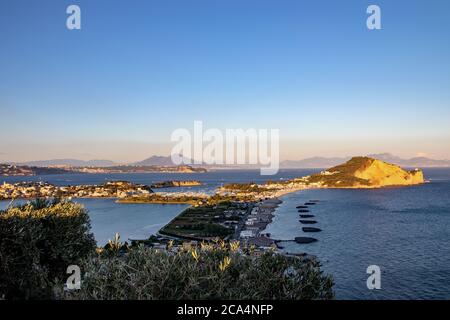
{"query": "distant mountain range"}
pixel 313 162
pixel 163 161
pixel 155 161
pixel 323 162
pixel 68 162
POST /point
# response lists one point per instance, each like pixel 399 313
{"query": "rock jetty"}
pixel 311 229
pixel 308 221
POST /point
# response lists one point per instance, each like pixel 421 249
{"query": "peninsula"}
pixel 234 211
pixel 23 170
pixel 358 172
pixel 365 172
pixel 14 170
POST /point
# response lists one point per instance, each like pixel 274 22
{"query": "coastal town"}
pixel 138 169
pixel 13 170
pixel 111 189
pixel 31 190
pixel 226 215
pixel 25 170
pixel 236 211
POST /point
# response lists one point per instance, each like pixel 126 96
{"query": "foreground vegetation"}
pixel 38 241
pixel 210 271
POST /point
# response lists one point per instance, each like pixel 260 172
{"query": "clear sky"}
pixel 137 70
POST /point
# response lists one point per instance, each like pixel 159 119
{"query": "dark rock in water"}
pixel 311 229
pixel 309 203
pixel 302 207
pixel 303 210
pixel 308 221
pixel 305 240
pixel 306 216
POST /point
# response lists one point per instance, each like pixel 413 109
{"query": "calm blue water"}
pixel 210 180
pixel 139 221
pixel 131 221
pixel 405 231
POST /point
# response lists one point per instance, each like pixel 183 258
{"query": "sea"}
pixel 404 231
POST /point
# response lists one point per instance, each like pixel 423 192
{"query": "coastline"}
pixel 261 199
pixel 153 202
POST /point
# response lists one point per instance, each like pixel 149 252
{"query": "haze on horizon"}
pixel 118 87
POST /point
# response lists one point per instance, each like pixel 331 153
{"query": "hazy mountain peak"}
pixel 324 162
pixel 157 160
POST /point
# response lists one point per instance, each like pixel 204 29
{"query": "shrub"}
pixel 207 272
pixel 38 241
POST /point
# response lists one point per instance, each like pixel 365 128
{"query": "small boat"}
pixel 306 216
pixel 309 203
pixel 302 210
pixel 302 207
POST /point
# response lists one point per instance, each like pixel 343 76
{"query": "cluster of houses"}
pixel 257 221
pixel 234 216
pixel 12 170
pixel 272 189
pixel 290 185
pixel 115 189
pixel 26 190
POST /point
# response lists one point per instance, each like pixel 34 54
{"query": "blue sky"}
pixel 137 70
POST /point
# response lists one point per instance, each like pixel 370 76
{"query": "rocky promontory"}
pixel 365 172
